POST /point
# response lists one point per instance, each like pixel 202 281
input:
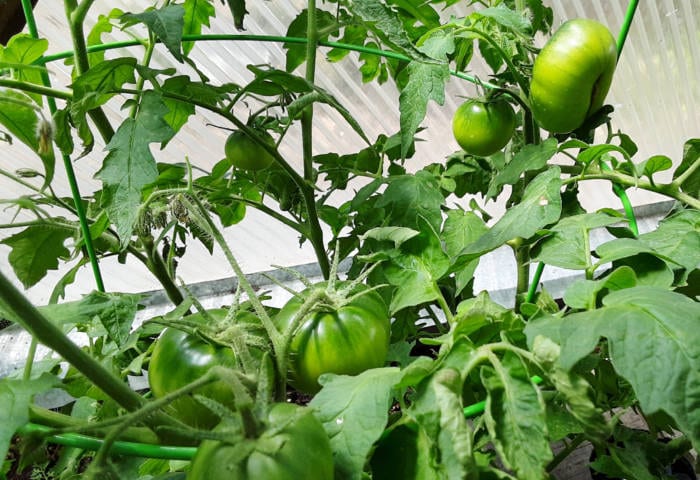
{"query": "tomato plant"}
pixel 347 337
pixel 180 358
pixel 244 152
pixel 572 75
pixel 294 445
pixel 483 127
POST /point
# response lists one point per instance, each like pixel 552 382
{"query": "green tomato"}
pixel 482 128
pixel 346 340
pixel 294 446
pixel 179 358
pixel 572 75
pixel 245 153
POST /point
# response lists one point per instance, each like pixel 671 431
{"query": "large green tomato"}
pixel 294 446
pixel 346 340
pixel 245 153
pixel 180 358
pixel 483 127
pixel 572 75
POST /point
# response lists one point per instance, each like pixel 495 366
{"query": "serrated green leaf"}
pixel 510 19
pixel 530 157
pixel 129 165
pixel 411 200
pixel 515 418
pixel 296 52
pixel 426 82
pixel 583 294
pixel 354 411
pixel 540 206
pixel 568 244
pixel 197 15
pixel 95 87
pixel 115 310
pixel 19 116
pixel 461 229
pixel 691 155
pixel 16 396
pixel 657 163
pixel 166 24
pixel 23 50
pixel 437 409
pixel 36 250
pixel 654 343
pixel 677 238
pixel 386 24
pixel 102 26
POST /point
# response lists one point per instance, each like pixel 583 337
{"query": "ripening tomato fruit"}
pixel 346 339
pixel 572 75
pixel 483 127
pixel 245 153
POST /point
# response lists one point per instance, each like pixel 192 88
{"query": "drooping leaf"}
pixel 437 408
pixel 691 155
pixel 19 116
pixel 354 411
pixel 511 19
pixel 515 418
pixel 426 81
pixel 238 12
pixel 567 246
pixel 36 250
pixel 129 165
pixel 16 396
pixel 654 343
pixel 197 15
pixel 540 206
pixel 165 23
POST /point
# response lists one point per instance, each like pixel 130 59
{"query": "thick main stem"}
pixel 315 232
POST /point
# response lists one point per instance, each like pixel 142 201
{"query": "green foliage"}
pixel 531 372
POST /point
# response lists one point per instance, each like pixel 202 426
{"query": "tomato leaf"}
pixel 19 116
pixel 36 250
pixel 410 200
pixel 567 246
pixel 657 163
pixel 583 294
pixel 677 238
pixel 166 24
pixel 354 411
pixel 530 157
pixel 437 408
pixel 691 181
pixel 296 52
pixel 426 81
pixel 387 25
pixel 20 53
pixel 462 228
pixel 654 343
pixel 515 418
pixel 197 14
pixel 512 20
pixel 16 396
pixel 540 206
pixel 129 165
pixel 116 312
pixel 102 26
